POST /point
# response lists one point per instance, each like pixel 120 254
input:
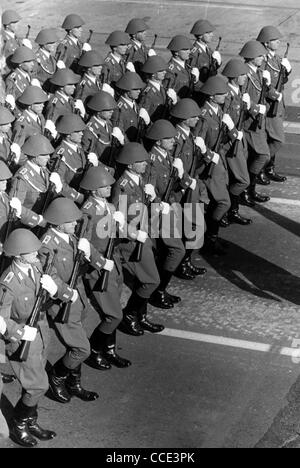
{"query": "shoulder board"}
pixel 61 151
pixel 13 75
pixel 146 90
pixel 46 240
pixel 203 112
pixel 9 277
pixel 122 104
pixel 21 118
pixel 152 157
pixel 124 183
pixel 56 240
pixel 194 50
pixel 23 171
pixel 171 66
pixel 87 205
pixel 54 100
pixel 108 59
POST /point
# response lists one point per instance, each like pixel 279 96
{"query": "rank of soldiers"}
pixel 80 133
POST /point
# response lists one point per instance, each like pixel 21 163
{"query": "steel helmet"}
pixel 215 85
pixel 95 178
pixel 62 210
pixel 101 101
pixel 72 21
pixel 132 153
pixel 37 145
pixel 202 27
pixel 5 173
pixel 136 25
pixel 33 95
pixel 5 116
pixel 21 241
pixel 161 129
pixel 185 109
pixel 69 123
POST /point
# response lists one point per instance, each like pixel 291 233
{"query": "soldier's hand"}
pixel 267 77
pixel 78 104
pixel 246 98
pixel 279 97
pixel 29 333
pixel 2 326
pixel 16 150
pixel 49 125
pixel 178 164
pixel 171 93
pixel 165 208
pixel 193 184
pixel 196 74
pixel 117 133
pixel 109 265
pixel 16 205
pixel 150 191
pixel 215 158
pixel 10 100
pixel 86 47
pixel 85 247
pixel 142 236
pixel 286 64
pixel 108 89
pixel 151 53
pixel 35 82
pixel 74 296
pixel 227 120
pixel 93 159
pixel 27 43
pixel 56 180
pixel 49 285
pixel 60 64
pixel 217 56
pixel 143 114
pixel 240 135
pixel 130 67
pixel 119 218
pixel 262 109
pixel 200 143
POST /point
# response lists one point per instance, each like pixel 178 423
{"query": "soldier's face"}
pixel 5 128
pixel 219 98
pixel 42 160
pixel 97 70
pixel 12 27
pixel 207 37
pixel 160 76
pixel 184 54
pixel 38 108
pixel 242 80
pixel 134 94
pixel 76 32
pixel 122 49
pixel 3 185
pixel 167 143
pixel 68 228
pixel 69 89
pixel 51 47
pixel 76 137
pixel 27 66
pixel 274 45
pixel 30 258
pixel 103 192
pixel 106 115
pixel 192 122
pixel 139 167
pixel 141 36
pixel 258 61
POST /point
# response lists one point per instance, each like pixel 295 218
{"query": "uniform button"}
pixel 25 298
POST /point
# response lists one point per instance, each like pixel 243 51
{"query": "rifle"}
pixel 274 107
pixel 218 142
pixel 65 310
pixel 154 41
pixel 91 32
pixel 35 315
pixel 62 53
pixel 239 126
pixel 9 224
pixel 28 31
pixel 140 130
pixel 105 273
pixel 262 100
pixel 168 103
pixel 49 194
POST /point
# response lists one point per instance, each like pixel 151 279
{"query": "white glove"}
pixel 60 64
pixel 49 125
pixel 193 184
pixel 165 208
pixel 227 120
pixel 16 150
pixel 56 180
pixel 151 53
pixel 109 265
pixel 262 109
pixel 246 98
pixel 119 218
pixel 150 191
pixel 141 237
pixel 86 47
pixel 171 93
pixel 16 204
pixel 78 104
pixel 216 158
pixel 75 296
pixel 240 136
pixel 130 67
pixel 200 143
pixel 10 100
pixel 217 56
pixel 2 326
pixel 196 73
pixel 117 133
pixel 35 82
pixel 27 43
pixel 143 114
pixel 267 77
pixel 29 333
pixel 49 285
pixel 280 96
pixel 108 89
pixel 93 159
pixel 286 64
pixel 178 164
pixel 85 247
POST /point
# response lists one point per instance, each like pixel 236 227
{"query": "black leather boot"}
pixel 224 223
pixel 246 200
pixel 263 178
pixel 6 378
pixel 130 323
pixel 161 300
pixel 256 197
pixel 36 430
pixel 74 387
pixel 96 358
pixel 19 431
pixel 172 298
pixel 197 271
pixel 57 382
pixel 234 215
pixel 270 171
pixel 145 323
pixel 110 352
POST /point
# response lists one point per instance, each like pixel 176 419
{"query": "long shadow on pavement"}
pixel 280 220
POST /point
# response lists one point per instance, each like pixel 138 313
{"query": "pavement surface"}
pixel 224 373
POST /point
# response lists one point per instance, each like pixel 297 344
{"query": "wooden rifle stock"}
pixel 23 350
pixel 239 126
pixel 49 194
pixel 105 273
pixel 262 101
pixel 9 225
pixel 279 87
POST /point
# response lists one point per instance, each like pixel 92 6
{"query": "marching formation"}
pixel 104 163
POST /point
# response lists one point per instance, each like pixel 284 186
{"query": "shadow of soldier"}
pixel 282 221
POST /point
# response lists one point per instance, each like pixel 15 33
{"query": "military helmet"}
pixel 6 116
pixel 37 145
pixel 117 38
pixel 5 173
pixel 154 64
pixel 95 178
pixel 10 16
pixel 23 54
pixel 130 80
pixel 160 130
pixel 234 68
pixel 64 77
pixel 252 49
pixel 33 95
pixel 90 59
pixel 47 36
pixel 132 153
pixel 215 85
pixel 202 27
pixel 69 123
pixel 136 25
pixel 21 241
pixel 268 33
pixel 72 21
pixel 101 101
pixel 179 43
pixel 185 109
pixel 62 210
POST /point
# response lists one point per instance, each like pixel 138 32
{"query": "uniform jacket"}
pixel 203 60
pixel 127 119
pixel 59 104
pixel 87 87
pixel 46 65
pixel 26 125
pixel 138 55
pixel 154 101
pixel 180 79
pixel 98 139
pixel 113 70
pixel 69 51
pixel 16 82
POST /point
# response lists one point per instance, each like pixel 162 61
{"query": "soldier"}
pixel 11 41
pixel 130 191
pixel 47 40
pixel 182 78
pixel 269 36
pixel 101 232
pixel 33 184
pixel 155 98
pixel 65 375
pixel 90 83
pixel 235 102
pixel 9 151
pixel 129 116
pixel 202 57
pixel 70 49
pixel 255 124
pixel 100 132
pixel 139 52
pixel 62 102
pixel 20 285
pixel 115 62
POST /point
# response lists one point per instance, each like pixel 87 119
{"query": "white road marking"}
pixel 285 201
